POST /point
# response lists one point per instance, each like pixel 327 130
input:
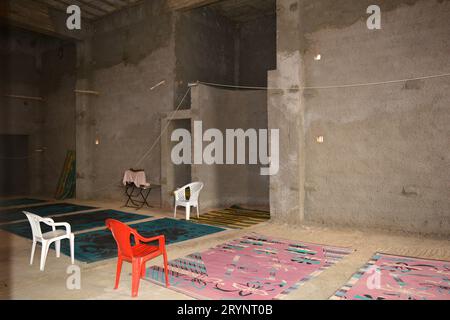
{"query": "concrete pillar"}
pixel 286 113
pixel 167 168
pixel 85 126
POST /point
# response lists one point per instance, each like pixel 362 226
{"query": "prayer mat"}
pixel 78 222
pixel 254 267
pixel 389 277
pixel 9 215
pixel 19 202
pixel 100 245
pixel 233 218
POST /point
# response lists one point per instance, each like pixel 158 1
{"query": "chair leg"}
pixel 188 212
pixel 44 252
pixel 175 212
pixel 198 212
pixel 166 268
pixel 136 277
pixel 143 270
pixel 119 270
pixel 58 248
pixel 72 248
pixel 33 249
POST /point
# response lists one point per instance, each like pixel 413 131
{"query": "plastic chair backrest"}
pixel 122 234
pixel 195 187
pixel 35 223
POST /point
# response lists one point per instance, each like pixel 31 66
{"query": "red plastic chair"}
pixel 138 254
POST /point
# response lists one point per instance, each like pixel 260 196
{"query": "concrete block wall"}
pixel 58 79
pixel 385 160
pixel 23 68
pixel 226 185
pixel 385 157
pixel 256 42
pixel 19 71
pixel 130 52
pixel 204 49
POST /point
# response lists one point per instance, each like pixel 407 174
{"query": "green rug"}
pixel 19 202
pixel 47 210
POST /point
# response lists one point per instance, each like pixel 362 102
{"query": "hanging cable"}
pixel 324 87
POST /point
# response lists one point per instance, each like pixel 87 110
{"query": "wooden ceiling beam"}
pixel 93 10
pixel 61 6
pixel 189 4
pixel 38 17
pixel 117 4
pixel 103 6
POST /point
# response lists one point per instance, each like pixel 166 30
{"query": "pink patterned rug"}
pixel 253 267
pixel 388 277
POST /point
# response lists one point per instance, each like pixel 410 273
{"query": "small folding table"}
pixel 137 189
pixel 137 196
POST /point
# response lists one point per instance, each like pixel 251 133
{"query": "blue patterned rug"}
pixel 19 202
pixel 78 221
pixel 15 214
pixel 100 245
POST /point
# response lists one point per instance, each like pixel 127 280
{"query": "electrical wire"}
pixel 324 87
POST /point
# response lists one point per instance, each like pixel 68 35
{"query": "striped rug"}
pixel 234 218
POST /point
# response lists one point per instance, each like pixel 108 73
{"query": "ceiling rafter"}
pixel 189 4
pixel 84 7
pixel 61 6
pixel 103 6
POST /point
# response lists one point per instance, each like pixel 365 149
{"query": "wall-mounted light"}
pixel 97 142
pixel 319 139
pixel 317 57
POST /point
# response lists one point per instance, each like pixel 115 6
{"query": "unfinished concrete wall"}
pixel 205 49
pixel 213 48
pixel 131 51
pixel 386 152
pixel 257 50
pixel 20 74
pixel 286 113
pixel 58 81
pixel 226 185
pixel 39 66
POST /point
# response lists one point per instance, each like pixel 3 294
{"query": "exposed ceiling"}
pixel 236 10
pixel 91 9
pixel 48 16
pixel 244 10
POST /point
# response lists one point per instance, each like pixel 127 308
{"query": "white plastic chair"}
pixel 46 239
pixel 180 198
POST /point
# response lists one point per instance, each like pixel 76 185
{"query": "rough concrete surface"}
pixel 384 161
pixel 385 157
pixel 221 109
pixel 38 66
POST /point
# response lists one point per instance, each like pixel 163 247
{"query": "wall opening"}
pixel 227 43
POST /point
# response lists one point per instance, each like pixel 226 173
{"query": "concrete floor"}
pixel 19 280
